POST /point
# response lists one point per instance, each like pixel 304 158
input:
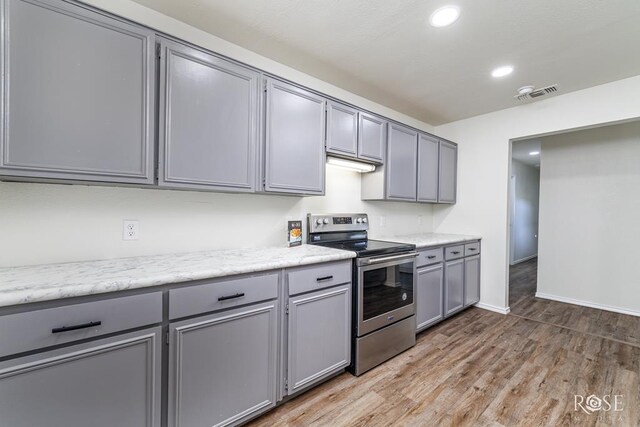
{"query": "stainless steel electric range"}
pixel 384 283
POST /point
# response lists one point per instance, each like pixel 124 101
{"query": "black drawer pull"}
pixel 431 256
pixel 473 249
pixel 322 279
pixel 455 252
pixel 75 327
pixel 231 297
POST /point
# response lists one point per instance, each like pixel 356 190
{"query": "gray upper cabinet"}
pixel 401 163
pixel 371 137
pixel 209 114
pixel 447 172
pixel 222 367
pixel 428 152
pixel 429 298
pixel 78 94
pixel 294 140
pixel 342 129
pixel 103 383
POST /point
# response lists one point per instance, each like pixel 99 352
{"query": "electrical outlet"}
pixel 130 230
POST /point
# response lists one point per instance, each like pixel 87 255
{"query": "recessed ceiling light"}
pixel 534 153
pixel 502 71
pixel 444 16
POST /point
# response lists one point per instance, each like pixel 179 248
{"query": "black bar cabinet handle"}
pixel 473 249
pixel 322 279
pixel 231 297
pixel 455 252
pixel 75 327
pixel 431 256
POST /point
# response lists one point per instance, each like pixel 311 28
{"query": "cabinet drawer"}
pixel 453 252
pixel 430 256
pixel 222 294
pixel 305 279
pixel 472 249
pixel 44 328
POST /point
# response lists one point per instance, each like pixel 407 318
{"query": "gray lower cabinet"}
pixel 103 383
pixel 401 163
pixel 471 280
pixel 319 336
pixel 209 120
pixel 372 137
pixel 428 154
pixel 222 367
pixel 454 286
pixel 447 173
pixel 294 140
pixel 430 292
pixel 342 129
pixel 77 96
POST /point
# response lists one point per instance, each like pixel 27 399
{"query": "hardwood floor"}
pixel 605 324
pixel 483 368
pixel 480 368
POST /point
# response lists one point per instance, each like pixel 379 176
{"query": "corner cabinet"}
pixel 209 121
pixel 83 112
pixel 428 158
pixel 294 140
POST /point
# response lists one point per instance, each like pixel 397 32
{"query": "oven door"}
pixel 386 289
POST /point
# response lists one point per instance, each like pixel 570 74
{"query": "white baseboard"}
pixel 518 261
pixel 494 308
pixel 587 304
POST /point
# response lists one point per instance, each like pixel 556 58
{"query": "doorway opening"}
pixel 523 222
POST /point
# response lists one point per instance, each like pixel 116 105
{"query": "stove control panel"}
pixel 321 223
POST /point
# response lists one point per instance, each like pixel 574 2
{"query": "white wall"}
pixel 44 223
pixel 524 220
pixel 590 217
pixel 484 157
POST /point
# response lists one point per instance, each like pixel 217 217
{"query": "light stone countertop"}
pixel 425 240
pixel 21 285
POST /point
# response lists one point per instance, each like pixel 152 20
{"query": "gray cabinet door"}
pixel 454 286
pixel 208 121
pixel 222 367
pixel 401 163
pixel 294 151
pixel 448 172
pixel 78 94
pixel 103 383
pixel 342 129
pixel 471 280
pixel 319 336
pixel 430 296
pixel 428 159
pixel 371 137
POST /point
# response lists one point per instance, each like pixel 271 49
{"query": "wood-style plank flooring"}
pixel 606 324
pixel 480 369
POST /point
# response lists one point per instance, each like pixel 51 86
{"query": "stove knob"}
pixel 359 220
pixel 319 221
pixel 326 220
pixel 364 220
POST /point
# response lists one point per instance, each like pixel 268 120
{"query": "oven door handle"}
pixel 379 260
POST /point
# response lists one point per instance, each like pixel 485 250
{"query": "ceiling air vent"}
pixel 527 93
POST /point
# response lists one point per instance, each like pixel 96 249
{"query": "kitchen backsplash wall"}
pixel 47 223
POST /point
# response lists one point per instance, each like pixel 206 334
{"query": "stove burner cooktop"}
pixel 367 248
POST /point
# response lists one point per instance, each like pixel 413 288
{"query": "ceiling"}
pixel 521 149
pixel 387 52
